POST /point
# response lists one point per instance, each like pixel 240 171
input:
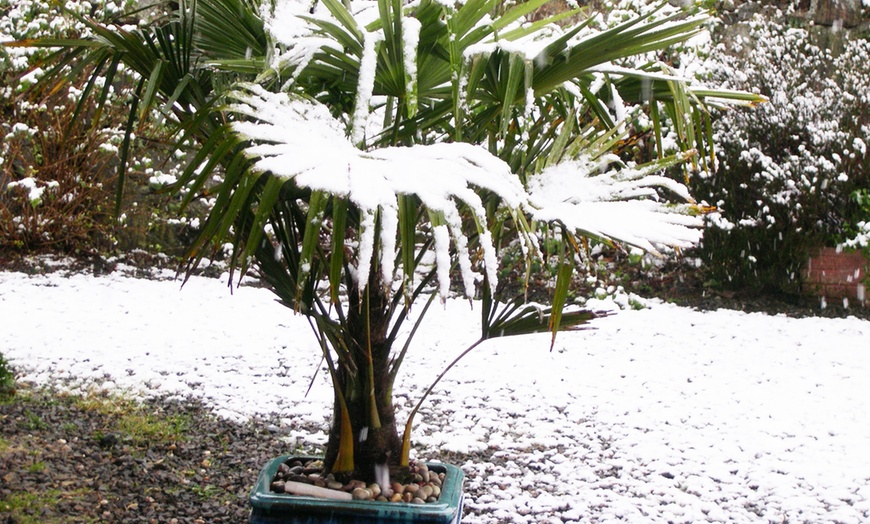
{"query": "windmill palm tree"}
pixel 368 152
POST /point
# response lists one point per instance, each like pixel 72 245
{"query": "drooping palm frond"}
pixel 296 139
pixel 621 205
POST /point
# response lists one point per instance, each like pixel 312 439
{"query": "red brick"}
pixel 830 259
pixel 836 275
pixel 841 291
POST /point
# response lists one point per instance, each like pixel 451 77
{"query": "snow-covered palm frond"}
pixel 298 139
pixel 621 205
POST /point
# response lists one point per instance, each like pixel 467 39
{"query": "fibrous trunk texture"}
pixel 375 437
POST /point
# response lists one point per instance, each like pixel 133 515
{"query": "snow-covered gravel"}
pixel 664 414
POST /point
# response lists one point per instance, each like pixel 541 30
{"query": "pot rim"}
pixel 262 498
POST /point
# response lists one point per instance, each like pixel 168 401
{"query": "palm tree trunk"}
pixel 367 390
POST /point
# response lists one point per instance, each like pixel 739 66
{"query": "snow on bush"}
pixel 858 236
pixel 786 170
pixel 57 171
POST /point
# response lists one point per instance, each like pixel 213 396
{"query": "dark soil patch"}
pixel 69 458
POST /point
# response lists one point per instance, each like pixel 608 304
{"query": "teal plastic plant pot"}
pixel 274 508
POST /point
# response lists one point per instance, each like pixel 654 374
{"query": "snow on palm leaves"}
pixel 295 138
pixel 620 204
pixel 299 139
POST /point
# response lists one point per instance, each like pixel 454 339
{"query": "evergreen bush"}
pixel 788 171
pixel 57 171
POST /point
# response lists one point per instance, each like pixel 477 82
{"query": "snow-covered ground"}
pixel 664 414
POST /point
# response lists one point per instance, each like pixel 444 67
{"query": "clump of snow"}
pixel 284 19
pixel 35 190
pixel 862 237
pixel 411 33
pixel 364 89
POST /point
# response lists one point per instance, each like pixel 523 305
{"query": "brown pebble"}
pixel 352 485
pixel 314 466
pixel 398 488
pixel 423 470
pixel 397 497
pixel 412 488
pixel 361 494
pixel 407 497
pixel 425 491
pixel 417 500
pixel 375 489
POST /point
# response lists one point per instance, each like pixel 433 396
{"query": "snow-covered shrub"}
pixel 56 190
pixel 788 169
pixel 57 170
pixel 858 234
pixel 51 174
